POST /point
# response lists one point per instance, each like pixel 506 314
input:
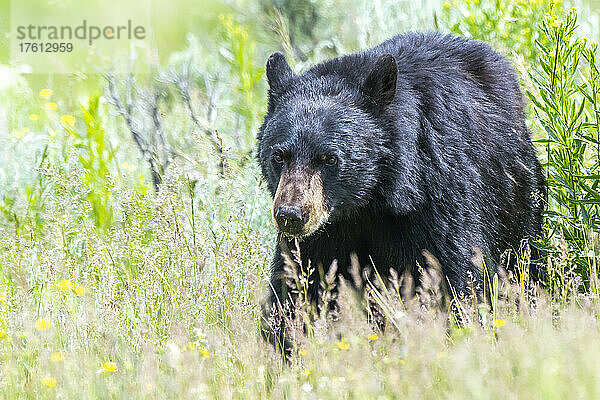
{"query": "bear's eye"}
pixel 331 160
pixel 278 157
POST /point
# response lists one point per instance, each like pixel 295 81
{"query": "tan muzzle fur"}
pixel 303 189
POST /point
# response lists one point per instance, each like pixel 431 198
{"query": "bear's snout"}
pixel 290 219
pixel 299 206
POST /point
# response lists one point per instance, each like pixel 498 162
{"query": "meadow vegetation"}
pixel 135 233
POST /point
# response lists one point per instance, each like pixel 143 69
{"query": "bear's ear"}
pixel 278 70
pixel 380 85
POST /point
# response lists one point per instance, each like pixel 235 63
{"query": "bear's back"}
pixel 428 61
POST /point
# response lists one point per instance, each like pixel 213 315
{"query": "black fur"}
pixel 433 151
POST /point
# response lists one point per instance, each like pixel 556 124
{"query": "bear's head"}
pixel 323 144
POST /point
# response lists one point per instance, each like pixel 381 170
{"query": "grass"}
pixel 111 289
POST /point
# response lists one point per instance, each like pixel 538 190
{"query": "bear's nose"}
pixel 289 219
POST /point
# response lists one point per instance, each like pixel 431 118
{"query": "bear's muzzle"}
pixel 299 206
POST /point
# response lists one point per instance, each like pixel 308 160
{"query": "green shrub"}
pixel 565 103
pixel 511 25
pixel 95 156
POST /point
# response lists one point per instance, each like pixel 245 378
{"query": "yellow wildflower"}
pixel 80 290
pixel 109 366
pixel 191 346
pixel 499 323
pixel 204 352
pixel 65 285
pixel 26 130
pixel 373 337
pixel 307 372
pixel 67 120
pixel 446 5
pixel 45 93
pixel 51 106
pixel 2 334
pixel 343 345
pixel 49 381
pixel 34 117
pixel 42 324
pixel 57 356
pixel 126 165
pixel 302 352
pixel 2 297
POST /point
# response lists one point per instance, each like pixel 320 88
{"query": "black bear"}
pixel 418 144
